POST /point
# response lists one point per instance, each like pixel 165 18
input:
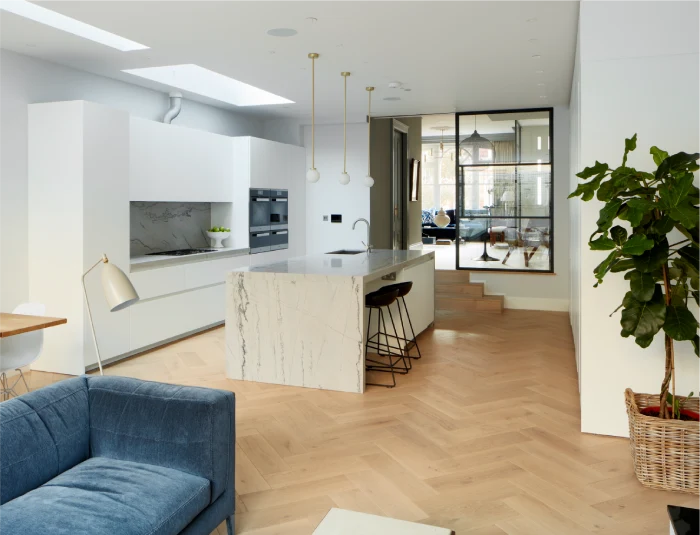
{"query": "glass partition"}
pixel 504 190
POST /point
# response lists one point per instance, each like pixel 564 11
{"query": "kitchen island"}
pixel 303 322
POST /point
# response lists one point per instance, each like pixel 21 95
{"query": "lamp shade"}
pixel 117 287
pixel 508 196
pixel 470 149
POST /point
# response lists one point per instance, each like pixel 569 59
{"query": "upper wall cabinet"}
pixel 176 164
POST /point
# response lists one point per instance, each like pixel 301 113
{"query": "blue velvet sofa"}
pixel 116 456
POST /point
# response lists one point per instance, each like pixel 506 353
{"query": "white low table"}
pixel 342 522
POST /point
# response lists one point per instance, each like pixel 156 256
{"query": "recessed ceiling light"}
pixel 282 32
pixel 61 22
pixel 540 84
pixel 210 84
pixel 539 72
pixel 543 96
pixel 271 51
pixel 532 40
pixel 312 20
pixel 339 45
pixel 406 88
pixel 536 56
pixel 531 20
pixel 392 98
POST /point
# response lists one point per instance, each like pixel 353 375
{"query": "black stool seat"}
pixel 381 298
pixel 402 287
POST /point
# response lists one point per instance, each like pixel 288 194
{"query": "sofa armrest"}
pixel 182 427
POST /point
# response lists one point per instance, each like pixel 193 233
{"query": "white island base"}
pixel 303 322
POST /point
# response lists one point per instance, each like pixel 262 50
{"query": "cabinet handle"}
pixel 262 234
pixel 280 232
pixel 258 199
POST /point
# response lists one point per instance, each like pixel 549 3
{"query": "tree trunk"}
pixel 664 411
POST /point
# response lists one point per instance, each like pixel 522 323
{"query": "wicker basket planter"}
pixel 666 453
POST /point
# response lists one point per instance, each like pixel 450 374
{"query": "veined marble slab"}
pixel 302 322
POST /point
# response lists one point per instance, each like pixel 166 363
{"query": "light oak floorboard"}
pixel 482 437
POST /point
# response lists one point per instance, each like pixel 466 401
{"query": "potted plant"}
pixel 655 245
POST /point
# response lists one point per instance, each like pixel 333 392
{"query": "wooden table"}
pixel 11 324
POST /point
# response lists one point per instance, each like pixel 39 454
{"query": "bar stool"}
pixel 380 341
pixel 404 288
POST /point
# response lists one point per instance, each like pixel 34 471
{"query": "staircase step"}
pixel 450 276
pixel 487 303
pixel 473 289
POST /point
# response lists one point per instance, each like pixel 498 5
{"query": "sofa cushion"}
pixel 184 428
pixel 103 496
pixel 43 433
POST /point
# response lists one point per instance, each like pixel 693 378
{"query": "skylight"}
pixel 61 22
pixel 201 81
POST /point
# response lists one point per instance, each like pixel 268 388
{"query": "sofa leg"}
pixel 230 525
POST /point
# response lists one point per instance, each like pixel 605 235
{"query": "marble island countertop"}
pixel 371 266
pixel 142 262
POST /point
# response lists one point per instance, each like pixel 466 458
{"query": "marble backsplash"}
pixel 165 226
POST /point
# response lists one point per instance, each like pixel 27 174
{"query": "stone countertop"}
pixel 371 266
pixel 143 262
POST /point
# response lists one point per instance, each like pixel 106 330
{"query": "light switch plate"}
pixel 325 218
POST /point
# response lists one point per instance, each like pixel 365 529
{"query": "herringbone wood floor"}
pixel 482 437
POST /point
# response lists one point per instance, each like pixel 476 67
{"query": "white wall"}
pixel 638 73
pixel 290 131
pixel 328 196
pixel 25 80
pixel 535 291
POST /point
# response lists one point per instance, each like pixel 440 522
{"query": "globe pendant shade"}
pixel 344 179
pixel 369 181
pixel 117 287
pixel 312 175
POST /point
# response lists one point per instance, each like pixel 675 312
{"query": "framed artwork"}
pixel 415 179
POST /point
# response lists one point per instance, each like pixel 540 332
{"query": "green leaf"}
pixel 658 154
pixel 607 215
pixel 637 244
pixel 602 243
pixel 674 192
pixel 618 234
pixel 690 233
pixel 642 285
pixel 691 253
pixel 644 319
pixel 597 169
pixel 690 270
pixel 680 323
pixel 679 292
pixel 662 226
pixel 602 268
pixel 685 213
pixel 652 259
pixel 696 344
pixel 679 162
pixel 622 265
pixel 636 210
pixel 630 145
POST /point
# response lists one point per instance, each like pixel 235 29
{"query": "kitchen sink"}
pixel 346 251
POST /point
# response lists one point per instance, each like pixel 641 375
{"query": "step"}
pixel 473 289
pixel 453 275
pixel 487 303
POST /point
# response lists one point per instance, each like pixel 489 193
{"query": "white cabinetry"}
pixel 259 163
pixel 177 300
pixel 172 163
pixel 78 163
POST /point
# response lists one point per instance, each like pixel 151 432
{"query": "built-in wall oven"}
pixel 269 219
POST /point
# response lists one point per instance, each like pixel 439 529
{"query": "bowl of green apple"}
pixel 217 235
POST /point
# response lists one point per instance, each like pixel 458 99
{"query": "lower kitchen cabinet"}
pixel 163 318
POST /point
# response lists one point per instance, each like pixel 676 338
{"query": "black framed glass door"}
pixel 504 190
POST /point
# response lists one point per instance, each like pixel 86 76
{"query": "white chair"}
pixel 20 350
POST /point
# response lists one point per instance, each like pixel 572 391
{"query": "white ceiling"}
pixel 454 56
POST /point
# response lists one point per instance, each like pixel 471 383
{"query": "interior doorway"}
pixel 399 190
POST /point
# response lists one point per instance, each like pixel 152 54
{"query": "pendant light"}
pixel 369 181
pixel 312 175
pixel 472 145
pixel 344 178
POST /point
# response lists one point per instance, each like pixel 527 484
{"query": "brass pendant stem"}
pixel 369 130
pixel 345 116
pixel 313 56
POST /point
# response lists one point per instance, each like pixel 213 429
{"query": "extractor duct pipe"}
pixel 175 107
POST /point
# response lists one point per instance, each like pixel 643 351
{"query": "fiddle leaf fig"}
pixel 663 279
